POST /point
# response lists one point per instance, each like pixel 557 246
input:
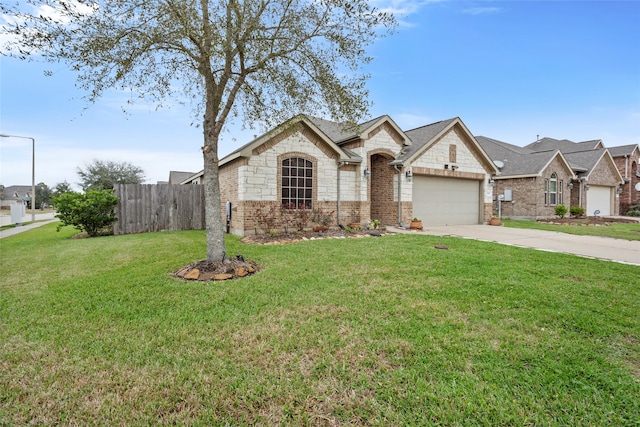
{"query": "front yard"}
pixel 616 230
pixel 372 331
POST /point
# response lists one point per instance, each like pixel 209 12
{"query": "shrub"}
pixel 561 211
pixel 267 216
pixel 298 215
pixel 321 217
pixel 90 212
pixel 576 210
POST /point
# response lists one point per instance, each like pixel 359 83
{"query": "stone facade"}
pixel 252 182
pixel 454 149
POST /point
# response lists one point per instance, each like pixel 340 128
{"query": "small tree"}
pixel 103 175
pixel 90 212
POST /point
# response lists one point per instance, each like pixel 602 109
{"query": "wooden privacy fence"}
pixel 158 207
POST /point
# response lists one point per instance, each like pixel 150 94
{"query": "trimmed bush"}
pixel 561 211
pixel 90 212
pixel 576 210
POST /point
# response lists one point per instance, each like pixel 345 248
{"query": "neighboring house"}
pixel 627 159
pixel 177 177
pixel 15 193
pixel 437 172
pixel 534 179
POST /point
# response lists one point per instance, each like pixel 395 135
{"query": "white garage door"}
pixel 598 198
pixel 446 201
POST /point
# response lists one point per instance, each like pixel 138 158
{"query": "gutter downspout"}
pixel 399 196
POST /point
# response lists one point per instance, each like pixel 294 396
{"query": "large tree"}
pixel 103 175
pixel 265 60
pixel 43 195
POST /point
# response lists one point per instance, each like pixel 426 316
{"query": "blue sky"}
pixel 510 70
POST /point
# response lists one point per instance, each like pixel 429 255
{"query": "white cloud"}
pixel 402 9
pixel 481 10
pixel 57 15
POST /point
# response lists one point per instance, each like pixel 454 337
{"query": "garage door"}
pixel 598 198
pixel 446 201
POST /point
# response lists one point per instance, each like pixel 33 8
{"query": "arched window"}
pixel 553 189
pixel 297 183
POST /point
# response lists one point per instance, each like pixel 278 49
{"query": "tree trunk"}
pixel 216 250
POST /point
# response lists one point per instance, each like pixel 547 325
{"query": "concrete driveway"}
pixel 624 251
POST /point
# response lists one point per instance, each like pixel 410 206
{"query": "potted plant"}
pixel 416 224
pixel 494 220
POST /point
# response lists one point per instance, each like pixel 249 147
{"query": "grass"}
pixel 378 331
pixel 616 230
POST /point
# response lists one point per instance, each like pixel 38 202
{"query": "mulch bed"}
pixel 590 220
pixel 300 236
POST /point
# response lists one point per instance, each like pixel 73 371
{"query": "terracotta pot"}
pixel 415 225
pixel 494 221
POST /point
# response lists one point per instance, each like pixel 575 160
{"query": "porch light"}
pixel 586 186
pixel 367 173
pixel 570 185
pixel 409 175
pixel 620 190
pixel 492 182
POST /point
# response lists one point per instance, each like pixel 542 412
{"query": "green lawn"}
pixel 616 231
pixel 378 331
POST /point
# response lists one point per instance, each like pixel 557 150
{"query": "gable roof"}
pixel 341 133
pixel 17 192
pixel 176 177
pixel 624 150
pixel 564 145
pixel 520 161
pixel 247 149
pixel 425 136
pixel 590 159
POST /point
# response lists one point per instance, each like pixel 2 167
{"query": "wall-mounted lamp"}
pixel 586 186
pixel 367 173
pixel 619 190
pixel 570 185
pixel 492 182
pixel 409 175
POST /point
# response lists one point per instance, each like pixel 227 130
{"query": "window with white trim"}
pixel 553 190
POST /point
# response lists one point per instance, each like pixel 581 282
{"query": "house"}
pixel 437 172
pixel 534 179
pixel 627 158
pixel 176 177
pixel 15 194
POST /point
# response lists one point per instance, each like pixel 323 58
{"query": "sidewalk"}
pixel 618 250
pixel 41 219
